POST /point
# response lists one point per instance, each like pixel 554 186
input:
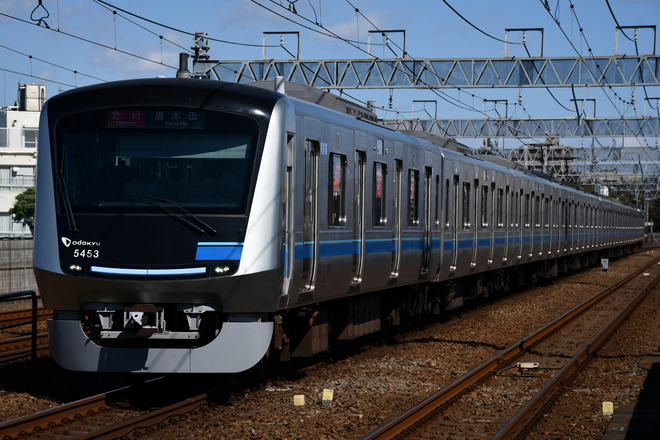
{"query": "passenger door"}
pixel 426 239
pixel 310 243
pixel 359 233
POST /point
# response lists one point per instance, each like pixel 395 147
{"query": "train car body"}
pixel 196 226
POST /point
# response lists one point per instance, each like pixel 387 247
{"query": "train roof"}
pixel 318 97
pixel 325 99
pixel 344 106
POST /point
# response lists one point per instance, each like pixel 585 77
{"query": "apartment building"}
pixel 19 129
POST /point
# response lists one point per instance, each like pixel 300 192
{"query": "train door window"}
pixel 447 212
pixel 500 208
pixel 428 175
pixel 596 225
pixel 413 198
pixel 475 213
pixel 466 205
pixel 516 216
pixel 396 248
pixel 290 240
pixel 456 219
pixel 437 202
pixel 565 206
pixel 537 211
pixel 523 211
pixel 359 210
pixel 379 196
pixel 527 221
pixel 310 221
pixel 337 191
pixel 484 207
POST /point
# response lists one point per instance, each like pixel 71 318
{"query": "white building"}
pixel 19 128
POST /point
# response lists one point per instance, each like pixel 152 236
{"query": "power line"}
pixel 75 72
pixel 468 107
pixel 173 28
pixel 104 5
pixel 463 105
pixel 38 77
pixel 474 26
pixel 609 7
pixel 352 43
pixel 86 40
pixel 628 103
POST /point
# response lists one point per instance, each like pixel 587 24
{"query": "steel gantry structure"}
pixel 634 168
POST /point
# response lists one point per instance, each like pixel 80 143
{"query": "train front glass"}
pixel 182 169
pixel 126 158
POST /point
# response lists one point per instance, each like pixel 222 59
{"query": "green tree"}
pixel 23 210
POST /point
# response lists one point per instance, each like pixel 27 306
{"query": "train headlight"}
pixel 75 268
pixel 221 270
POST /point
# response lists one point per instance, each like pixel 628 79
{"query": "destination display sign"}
pixel 166 118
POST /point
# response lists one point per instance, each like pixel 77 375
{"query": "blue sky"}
pixel 86 37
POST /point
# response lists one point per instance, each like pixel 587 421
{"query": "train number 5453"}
pixel 85 253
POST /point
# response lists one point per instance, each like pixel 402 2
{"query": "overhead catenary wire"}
pixel 474 26
pixel 174 29
pixel 355 44
pixel 76 72
pixel 434 91
pixel 629 104
pixel 41 78
pixel 616 21
pixel 87 40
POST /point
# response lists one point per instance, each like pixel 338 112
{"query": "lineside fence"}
pixel 16 265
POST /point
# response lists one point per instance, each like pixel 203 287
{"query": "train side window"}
pixel 466 205
pixel 413 197
pixel 380 193
pixel 484 206
pixel 337 191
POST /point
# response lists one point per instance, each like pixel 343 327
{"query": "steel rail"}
pixel 11 318
pixel 146 420
pixel 435 403
pixel 21 347
pixel 28 424
pixel 531 411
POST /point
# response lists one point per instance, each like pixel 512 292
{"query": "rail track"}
pixel 104 416
pixel 17 343
pixel 20 347
pixel 11 318
pixel 504 397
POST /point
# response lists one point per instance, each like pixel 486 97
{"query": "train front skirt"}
pixel 239 346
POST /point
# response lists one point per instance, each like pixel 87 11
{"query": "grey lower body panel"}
pixel 238 347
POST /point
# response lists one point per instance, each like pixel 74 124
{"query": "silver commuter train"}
pixel 198 226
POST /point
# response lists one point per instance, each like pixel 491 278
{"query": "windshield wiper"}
pixel 201 225
pixel 68 209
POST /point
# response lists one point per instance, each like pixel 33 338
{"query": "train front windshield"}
pixel 137 159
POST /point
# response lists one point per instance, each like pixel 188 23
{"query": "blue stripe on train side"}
pixel 338 248
pixel 219 251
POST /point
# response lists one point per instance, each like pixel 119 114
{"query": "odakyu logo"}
pixel 66 241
